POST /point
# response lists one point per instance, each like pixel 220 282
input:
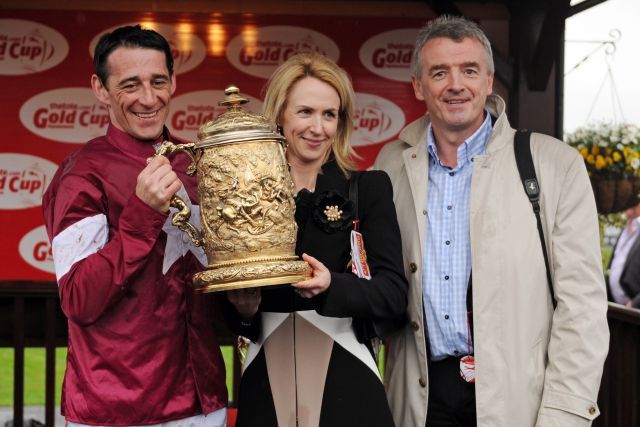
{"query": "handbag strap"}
pixel 524 162
pixel 353 197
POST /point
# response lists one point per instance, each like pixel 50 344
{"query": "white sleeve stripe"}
pixel 78 241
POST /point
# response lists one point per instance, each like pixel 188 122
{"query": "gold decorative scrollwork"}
pixel 248 195
pixel 244 276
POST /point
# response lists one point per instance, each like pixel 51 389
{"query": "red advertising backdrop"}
pixel 48 109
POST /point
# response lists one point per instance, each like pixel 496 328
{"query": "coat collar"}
pixel 416 160
pixel 416 132
pixel 330 177
pixel 132 146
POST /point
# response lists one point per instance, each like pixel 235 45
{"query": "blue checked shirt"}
pixel 447 255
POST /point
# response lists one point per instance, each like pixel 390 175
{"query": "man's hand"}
pixel 157 183
pixel 246 301
pixel 318 283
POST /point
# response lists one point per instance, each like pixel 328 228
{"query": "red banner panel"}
pixel 48 108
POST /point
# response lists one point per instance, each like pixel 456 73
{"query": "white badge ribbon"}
pixel 359 265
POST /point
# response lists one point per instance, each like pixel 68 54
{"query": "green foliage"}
pixel 227 354
pixel 606 255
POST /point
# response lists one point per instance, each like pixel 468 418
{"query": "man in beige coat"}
pixel 461 208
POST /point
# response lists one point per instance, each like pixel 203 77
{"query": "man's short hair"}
pixel 455 28
pixel 133 36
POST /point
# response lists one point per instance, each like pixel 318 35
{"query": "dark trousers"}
pixel 452 400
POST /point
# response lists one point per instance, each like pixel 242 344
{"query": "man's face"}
pixel 137 91
pixel 455 83
pixel 633 212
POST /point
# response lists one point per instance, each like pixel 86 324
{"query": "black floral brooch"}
pixel 332 212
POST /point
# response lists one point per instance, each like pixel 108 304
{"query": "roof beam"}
pixel 582 6
pixel 503 69
pixel 444 7
pixel 547 48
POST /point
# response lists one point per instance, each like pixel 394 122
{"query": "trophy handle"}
pixel 166 148
pixel 181 218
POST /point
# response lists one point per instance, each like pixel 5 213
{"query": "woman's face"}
pixel 310 121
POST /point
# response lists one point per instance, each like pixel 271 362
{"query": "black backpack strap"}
pixel 470 305
pixel 524 161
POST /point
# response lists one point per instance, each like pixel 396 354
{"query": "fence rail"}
pixel 30 316
pixel 619 397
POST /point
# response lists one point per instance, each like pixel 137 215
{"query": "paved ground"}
pixel 30 413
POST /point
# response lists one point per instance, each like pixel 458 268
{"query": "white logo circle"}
pixel 188 49
pixel 35 249
pixel 389 54
pixel 376 120
pixel 23 180
pixel 70 115
pixel 258 51
pixel 27 47
pixel 191 110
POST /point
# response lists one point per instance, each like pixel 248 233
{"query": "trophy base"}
pixel 251 276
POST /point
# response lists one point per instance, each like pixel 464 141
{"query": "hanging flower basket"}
pixel 612 156
pixel 615 195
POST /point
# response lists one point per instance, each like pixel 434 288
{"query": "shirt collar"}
pixel 132 146
pixel 633 225
pixel 473 146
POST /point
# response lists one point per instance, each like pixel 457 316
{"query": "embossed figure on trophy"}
pixel 275 206
pixel 225 186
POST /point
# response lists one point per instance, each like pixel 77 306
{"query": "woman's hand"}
pixel 246 301
pixel 318 283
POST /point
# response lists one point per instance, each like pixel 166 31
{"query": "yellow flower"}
pixel 585 152
pixel 600 162
pixel 608 150
pixel 617 156
pixel 626 150
pixel 595 150
pixel 591 159
pixel 609 161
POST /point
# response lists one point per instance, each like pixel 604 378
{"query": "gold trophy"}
pixel 246 202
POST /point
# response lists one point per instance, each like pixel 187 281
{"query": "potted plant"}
pixel 612 156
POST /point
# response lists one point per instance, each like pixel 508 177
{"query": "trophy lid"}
pixel 236 124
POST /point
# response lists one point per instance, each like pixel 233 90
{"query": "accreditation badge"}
pixel 359 265
pixel 468 369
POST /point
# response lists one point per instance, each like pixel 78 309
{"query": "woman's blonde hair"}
pixel 324 69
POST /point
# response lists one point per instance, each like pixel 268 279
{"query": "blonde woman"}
pixel 309 364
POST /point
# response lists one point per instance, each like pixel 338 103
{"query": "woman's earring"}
pixel 280 130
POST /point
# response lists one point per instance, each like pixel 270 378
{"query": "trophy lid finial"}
pixel 232 99
pixel 236 124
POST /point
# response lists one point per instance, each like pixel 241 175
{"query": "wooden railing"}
pixel 619 397
pixel 30 316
